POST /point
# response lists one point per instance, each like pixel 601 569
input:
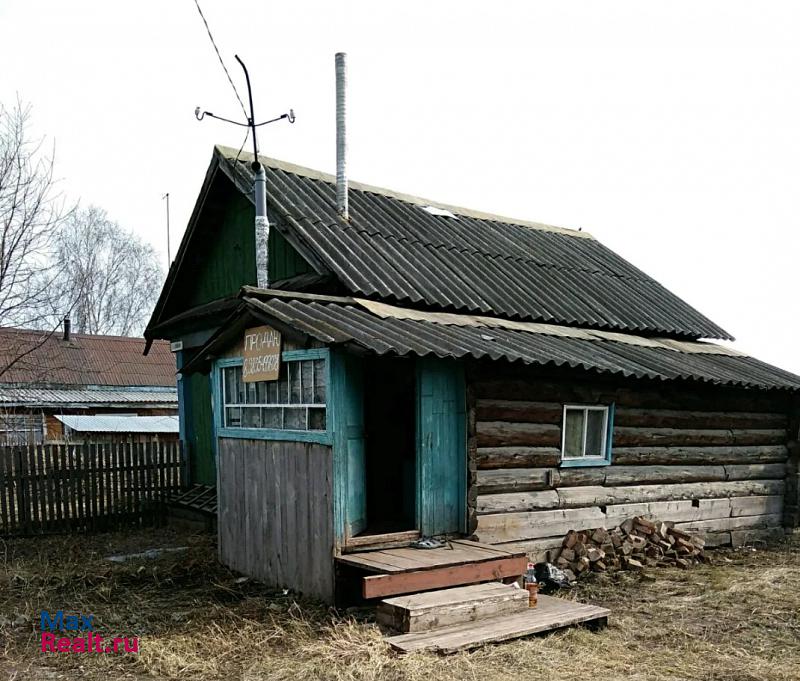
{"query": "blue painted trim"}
pixel 585 463
pixel 324 437
pixel 182 422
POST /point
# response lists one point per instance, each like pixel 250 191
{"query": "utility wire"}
pixel 239 153
pixel 219 56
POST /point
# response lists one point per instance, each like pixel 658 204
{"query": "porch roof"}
pixel 397 331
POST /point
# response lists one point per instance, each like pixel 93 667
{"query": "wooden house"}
pixel 48 378
pixel 426 370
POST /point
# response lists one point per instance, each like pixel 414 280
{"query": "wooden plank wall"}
pixel 275 518
pixel 712 462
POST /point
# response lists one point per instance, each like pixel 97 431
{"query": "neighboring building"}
pixel 49 377
pixel 422 369
pixel 110 427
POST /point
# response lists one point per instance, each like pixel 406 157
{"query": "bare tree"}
pixel 31 211
pixel 109 276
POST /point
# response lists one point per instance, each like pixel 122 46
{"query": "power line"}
pixel 219 56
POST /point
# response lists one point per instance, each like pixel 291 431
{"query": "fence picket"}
pixel 33 485
pixel 55 488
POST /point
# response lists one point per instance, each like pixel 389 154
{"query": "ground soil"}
pixel 735 619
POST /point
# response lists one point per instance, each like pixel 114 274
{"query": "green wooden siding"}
pixel 284 260
pixel 200 429
pixel 225 259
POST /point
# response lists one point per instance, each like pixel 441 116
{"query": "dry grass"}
pixel 737 619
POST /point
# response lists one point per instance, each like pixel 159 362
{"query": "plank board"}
pixel 551 613
pixel 391 584
pixel 437 609
pixel 405 559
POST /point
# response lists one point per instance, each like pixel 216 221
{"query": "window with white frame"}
pixel 21 429
pixel 584 433
pixel 295 401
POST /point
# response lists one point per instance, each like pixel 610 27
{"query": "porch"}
pixel 394 571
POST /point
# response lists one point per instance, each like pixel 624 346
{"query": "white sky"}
pixel 670 131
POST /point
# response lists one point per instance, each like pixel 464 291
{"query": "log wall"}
pixel 275 519
pixel 715 462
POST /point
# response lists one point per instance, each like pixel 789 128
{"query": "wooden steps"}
pixel 398 571
pixel 435 609
pixel 551 613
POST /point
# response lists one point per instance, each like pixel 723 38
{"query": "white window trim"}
pixel 257 405
pixel 585 408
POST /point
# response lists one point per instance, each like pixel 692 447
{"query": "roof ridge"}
pixel 231 154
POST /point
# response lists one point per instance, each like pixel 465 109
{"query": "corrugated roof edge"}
pixel 231 154
pixel 700 360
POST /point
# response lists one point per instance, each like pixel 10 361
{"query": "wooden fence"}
pixel 85 487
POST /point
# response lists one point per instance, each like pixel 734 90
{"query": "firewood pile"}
pixel 635 544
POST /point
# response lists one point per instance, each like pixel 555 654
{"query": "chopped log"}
pixel 754 471
pixel 488 384
pixel 639 475
pixel 699 455
pixel 507 434
pixel 683 437
pixel 705 527
pixel 513 480
pixel 674 418
pixel 604 496
pixel 522 501
pixel 510 527
pixel 517 457
pixel 519 411
pixel 672 511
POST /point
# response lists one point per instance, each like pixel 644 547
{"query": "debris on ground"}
pixel 150 554
pixel 637 543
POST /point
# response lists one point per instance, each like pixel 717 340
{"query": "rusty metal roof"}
pixel 45 359
pixel 395 249
pixel 391 330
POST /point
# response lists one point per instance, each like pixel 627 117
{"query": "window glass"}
pixel 295 401
pixel 584 432
pixel 573 438
pixel 595 432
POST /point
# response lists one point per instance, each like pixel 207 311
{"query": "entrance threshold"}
pixel 372 542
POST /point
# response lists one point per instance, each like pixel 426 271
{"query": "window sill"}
pixel 574 463
pixel 317 436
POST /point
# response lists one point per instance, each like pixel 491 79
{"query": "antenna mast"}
pixel 169 256
pixel 259 181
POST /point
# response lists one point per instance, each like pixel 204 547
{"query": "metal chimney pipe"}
pixel 262 226
pixel 342 202
pixel 67 328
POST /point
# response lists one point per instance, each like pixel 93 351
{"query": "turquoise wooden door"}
pixel 350 467
pixel 441 447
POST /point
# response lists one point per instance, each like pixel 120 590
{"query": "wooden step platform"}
pixel 433 609
pixel 551 613
pixel 408 570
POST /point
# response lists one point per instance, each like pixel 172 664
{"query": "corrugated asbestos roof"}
pixel 104 423
pixel 394 249
pixel 45 358
pixel 53 397
pixel 390 330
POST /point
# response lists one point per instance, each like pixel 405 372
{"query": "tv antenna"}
pixel 260 180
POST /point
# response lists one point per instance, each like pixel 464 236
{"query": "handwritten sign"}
pixel 262 354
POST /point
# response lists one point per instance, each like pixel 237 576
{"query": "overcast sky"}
pixel 667 130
